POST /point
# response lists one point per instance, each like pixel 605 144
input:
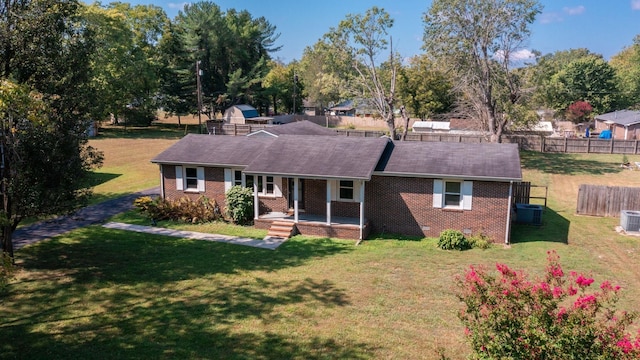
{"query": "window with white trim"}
pixel 346 190
pixel 237 178
pixel 452 194
pixel 248 181
pixel 190 178
pixel 267 185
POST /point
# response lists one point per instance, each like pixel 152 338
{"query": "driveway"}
pixel 101 212
pixel 90 215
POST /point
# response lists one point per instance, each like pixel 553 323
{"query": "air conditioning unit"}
pixel 630 220
pixel 529 214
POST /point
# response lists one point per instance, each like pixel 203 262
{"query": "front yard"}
pixel 99 293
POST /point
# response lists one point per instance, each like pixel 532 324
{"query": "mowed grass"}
pixel 127 166
pixel 102 294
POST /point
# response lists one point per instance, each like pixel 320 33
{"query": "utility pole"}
pixel 199 93
pixel 295 81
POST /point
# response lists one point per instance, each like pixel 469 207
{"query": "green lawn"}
pixel 100 293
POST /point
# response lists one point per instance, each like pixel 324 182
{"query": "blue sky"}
pixel 602 26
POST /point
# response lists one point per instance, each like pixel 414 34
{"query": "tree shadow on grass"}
pixel 97 253
pixel 160 322
pixel 554 228
pixel 155 131
pixel 117 294
pixel 567 164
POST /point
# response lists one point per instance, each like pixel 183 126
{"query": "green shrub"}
pixel 239 204
pixel 452 240
pixel 479 241
pixel 186 210
pixel 7 270
pixel 138 116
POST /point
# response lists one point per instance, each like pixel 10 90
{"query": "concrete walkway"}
pixel 101 212
pixel 270 243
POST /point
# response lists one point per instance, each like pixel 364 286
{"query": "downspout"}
pixel 508 227
pixel 361 213
pixel 161 180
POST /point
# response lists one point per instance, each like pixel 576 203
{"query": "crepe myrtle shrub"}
pixel 452 240
pixel 507 315
pixel 239 204
pixel 184 209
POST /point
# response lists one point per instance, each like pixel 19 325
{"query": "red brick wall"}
pixel 405 206
pixel 214 189
pixel 315 198
pixel 392 205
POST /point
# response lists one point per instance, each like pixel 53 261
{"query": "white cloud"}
pixel 516 56
pixel 523 54
pixel 178 6
pixel 574 10
pixel 635 4
pixel 551 17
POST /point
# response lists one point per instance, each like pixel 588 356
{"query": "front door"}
pixel 300 194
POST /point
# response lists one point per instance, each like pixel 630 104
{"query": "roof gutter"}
pixel 197 164
pixel 307 176
pixel 448 176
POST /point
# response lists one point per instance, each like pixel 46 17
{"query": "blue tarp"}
pixel 605 134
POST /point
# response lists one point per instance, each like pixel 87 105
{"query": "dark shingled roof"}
pixel 214 150
pixel 343 157
pixel 320 156
pixel 304 127
pixel 457 160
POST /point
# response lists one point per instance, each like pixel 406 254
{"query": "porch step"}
pixel 281 229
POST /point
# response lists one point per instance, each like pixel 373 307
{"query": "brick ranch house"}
pixel 624 124
pixel 347 187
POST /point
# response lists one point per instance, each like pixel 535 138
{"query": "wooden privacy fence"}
pixel 528 142
pixel 608 201
pixel 522 193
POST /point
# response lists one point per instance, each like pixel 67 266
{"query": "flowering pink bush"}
pixel 507 315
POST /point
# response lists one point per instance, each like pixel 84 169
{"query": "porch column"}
pixel 328 202
pixel 361 209
pixel 295 199
pixel 256 201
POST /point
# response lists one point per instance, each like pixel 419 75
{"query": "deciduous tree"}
pixel 364 38
pixel 480 40
pixel 126 63
pixel 589 79
pixel 44 111
pixel 425 89
pixel 627 66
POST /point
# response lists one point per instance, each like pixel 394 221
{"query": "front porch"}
pixel 316 225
